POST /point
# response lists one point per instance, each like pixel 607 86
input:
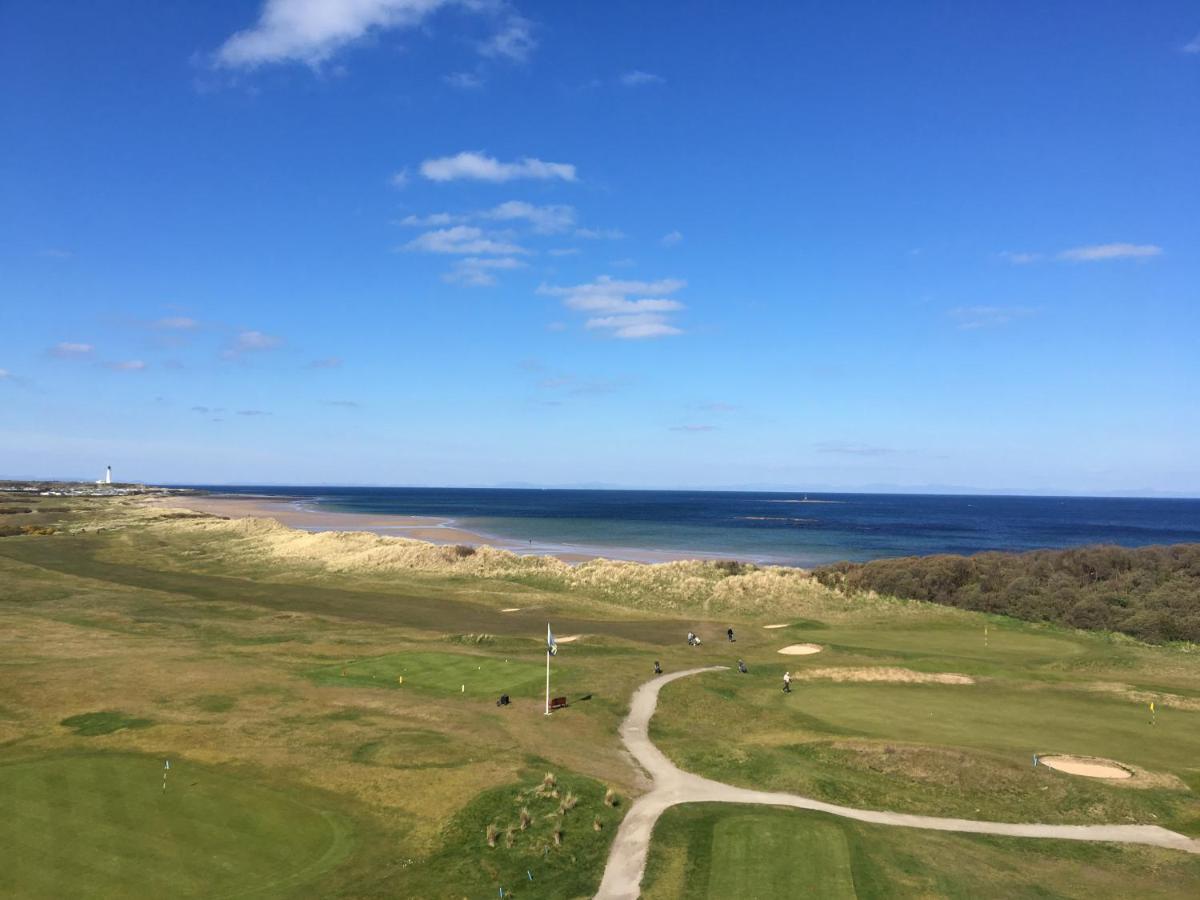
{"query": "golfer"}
pixel 787 682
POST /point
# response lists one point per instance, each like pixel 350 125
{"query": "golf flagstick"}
pixel 551 649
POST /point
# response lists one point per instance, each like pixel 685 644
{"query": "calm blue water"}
pixel 782 528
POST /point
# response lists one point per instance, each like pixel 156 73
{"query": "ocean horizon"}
pixel 789 528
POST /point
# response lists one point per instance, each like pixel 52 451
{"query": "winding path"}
pixel 627 858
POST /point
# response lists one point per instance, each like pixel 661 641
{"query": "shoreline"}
pixel 432 529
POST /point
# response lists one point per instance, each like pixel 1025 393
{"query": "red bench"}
pixel 558 703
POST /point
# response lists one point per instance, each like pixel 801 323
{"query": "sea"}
pixel 782 528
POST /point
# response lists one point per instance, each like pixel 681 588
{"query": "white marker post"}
pixel 551 650
pixel 166 769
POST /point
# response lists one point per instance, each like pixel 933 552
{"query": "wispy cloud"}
pixel 71 350
pixel 477 271
pixel 719 407
pixel 464 81
pixel 671 238
pixel 693 428
pixel 345 404
pixel 970 318
pixel 128 365
pixel 205 410
pixel 548 219
pixel 600 234
pixel 638 78
pixel 253 412
pixel 624 309
pixel 851 448
pixel 329 362
pixel 563 251
pixel 513 41
pixel 1192 46
pixel 251 342
pixel 399 179
pixel 56 253
pixel 1098 252
pixel 1090 253
pixel 463 239
pixel 177 323
pixel 311 31
pixel 478 166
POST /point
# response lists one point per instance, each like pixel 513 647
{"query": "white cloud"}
pixel 478 271
pixel 68 349
pixel 433 220
pixel 464 239
pixel 543 219
pixel 600 234
pixel 478 166
pixel 464 81
pixel 632 309
pixel 129 365
pixel 251 342
pixel 637 78
pixel 1110 251
pixel 514 41
pixel 310 31
pixel 177 323
pixel 671 238
pixel 642 325
pixel 1021 259
pixel 4 373
pixel 970 318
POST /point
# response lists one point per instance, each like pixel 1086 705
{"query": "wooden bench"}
pixel 558 703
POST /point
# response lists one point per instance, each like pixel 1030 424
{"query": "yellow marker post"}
pixel 399 679
pixel 1151 712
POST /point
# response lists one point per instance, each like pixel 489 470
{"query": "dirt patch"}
pixel 883 673
pixel 801 649
pixel 1087 766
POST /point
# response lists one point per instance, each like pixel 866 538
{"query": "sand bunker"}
pixel 1088 766
pixel 891 674
pixel 512 609
pixel 784 625
pixel 801 649
pixel 567 638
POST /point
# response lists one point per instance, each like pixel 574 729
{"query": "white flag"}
pixel 551 644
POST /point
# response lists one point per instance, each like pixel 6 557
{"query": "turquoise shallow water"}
pixel 796 529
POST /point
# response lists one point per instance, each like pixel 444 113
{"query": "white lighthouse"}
pixel 107 479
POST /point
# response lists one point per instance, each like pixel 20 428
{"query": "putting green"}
pixel 102 826
pixel 442 673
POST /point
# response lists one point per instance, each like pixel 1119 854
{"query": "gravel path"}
pixel 627 858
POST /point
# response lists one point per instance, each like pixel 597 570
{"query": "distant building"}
pixel 107 479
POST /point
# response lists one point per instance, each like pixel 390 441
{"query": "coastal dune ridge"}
pixel 677 584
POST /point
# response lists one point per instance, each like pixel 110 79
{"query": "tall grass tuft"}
pixel 492 833
pixel 610 798
pixel 526 818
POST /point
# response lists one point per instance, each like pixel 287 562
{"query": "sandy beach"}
pixel 435 530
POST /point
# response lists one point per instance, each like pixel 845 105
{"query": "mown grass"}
pixel 102 826
pixel 707 850
pixel 438 673
pixel 104 722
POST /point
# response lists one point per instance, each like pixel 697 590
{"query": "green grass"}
pixel 101 826
pixel 707 851
pixel 439 673
pixel 106 722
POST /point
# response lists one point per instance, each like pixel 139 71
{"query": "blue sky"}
pixel 669 244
